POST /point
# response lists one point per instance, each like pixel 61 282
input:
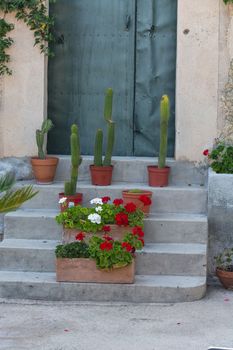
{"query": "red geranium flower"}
pixel 130 207
pixel 145 199
pixel 106 246
pixel 127 246
pixel 137 231
pixel 108 238
pixel 105 199
pixel 118 201
pixel 206 152
pixel 106 228
pixel 121 219
pixel 80 236
pixel 142 240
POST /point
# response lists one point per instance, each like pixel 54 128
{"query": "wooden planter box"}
pixel 85 270
pixel 117 233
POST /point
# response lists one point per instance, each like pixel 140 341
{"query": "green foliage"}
pixel 40 136
pixel 11 200
pixel 228 1
pixel 34 14
pixel 224 261
pixel 221 159
pixel 98 148
pixel 76 159
pixel 72 250
pixel 164 119
pixel 110 143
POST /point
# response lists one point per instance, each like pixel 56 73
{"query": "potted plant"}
pixel 101 260
pixel 224 268
pixel 101 218
pixel 101 170
pixel 69 197
pixel 220 157
pixel 158 175
pixel 44 167
pixel 141 198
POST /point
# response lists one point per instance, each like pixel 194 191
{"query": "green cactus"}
pixel 40 136
pixel 76 159
pixel 111 133
pixel 164 119
pixel 98 148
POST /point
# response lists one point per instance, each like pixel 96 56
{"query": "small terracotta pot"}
pixel 101 175
pixel 117 233
pixel 225 277
pixel 158 177
pixel 44 169
pixel 85 270
pixel 77 199
pixel 133 197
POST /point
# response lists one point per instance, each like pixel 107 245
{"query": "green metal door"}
pixel 128 45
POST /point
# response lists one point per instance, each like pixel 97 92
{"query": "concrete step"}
pixel 155 259
pixel 134 169
pixel 172 199
pixel 146 289
pixel 161 228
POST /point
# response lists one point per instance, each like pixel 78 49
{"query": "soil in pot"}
pixel 158 177
pixel 134 197
pixel 75 199
pixel 226 277
pixel 44 169
pixel 101 175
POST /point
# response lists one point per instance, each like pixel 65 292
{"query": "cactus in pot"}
pixel 101 171
pixel 69 197
pixel 44 167
pixel 158 175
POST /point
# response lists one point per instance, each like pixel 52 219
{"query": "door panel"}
pixel 155 73
pixel 94 50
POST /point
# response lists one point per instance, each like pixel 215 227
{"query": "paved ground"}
pixel 81 326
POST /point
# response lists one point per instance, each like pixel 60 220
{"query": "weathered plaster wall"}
pixel 22 95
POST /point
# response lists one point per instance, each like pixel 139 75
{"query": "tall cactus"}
pixel 40 136
pixel 110 143
pixel 98 148
pixel 164 119
pixel 70 186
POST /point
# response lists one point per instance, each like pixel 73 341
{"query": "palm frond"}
pixel 6 182
pixel 13 199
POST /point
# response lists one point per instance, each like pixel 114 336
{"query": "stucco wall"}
pixel 22 95
pixel 204 52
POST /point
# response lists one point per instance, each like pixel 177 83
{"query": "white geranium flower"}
pixel 96 201
pixel 62 200
pixel 71 205
pixel 98 209
pixel 94 218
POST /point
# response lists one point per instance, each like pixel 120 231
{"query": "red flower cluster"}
pixel 106 245
pixel 127 246
pixel 118 201
pixel 130 207
pixel 106 228
pixel 108 238
pixel 105 199
pixel 80 236
pixel 121 219
pixel 137 231
pixel 206 152
pixel 145 199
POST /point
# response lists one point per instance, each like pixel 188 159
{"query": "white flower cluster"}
pixel 96 201
pixel 62 200
pixel 94 218
pixel 98 209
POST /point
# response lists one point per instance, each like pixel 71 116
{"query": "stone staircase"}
pixel 171 268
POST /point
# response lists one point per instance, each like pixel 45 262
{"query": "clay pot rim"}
pixel 92 166
pixel 137 193
pixel 155 167
pixel 223 272
pixel 47 160
pixel 72 195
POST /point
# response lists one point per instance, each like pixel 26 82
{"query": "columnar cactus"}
pixel 111 134
pixel 70 186
pixel 164 119
pixel 40 136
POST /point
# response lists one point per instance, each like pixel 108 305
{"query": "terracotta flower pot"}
pixel 76 199
pixel 134 197
pixel 85 270
pixel 117 233
pixel 44 169
pixel 225 277
pixel 101 175
pixel 158 177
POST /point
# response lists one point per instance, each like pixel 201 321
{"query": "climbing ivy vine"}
pixel 34 14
